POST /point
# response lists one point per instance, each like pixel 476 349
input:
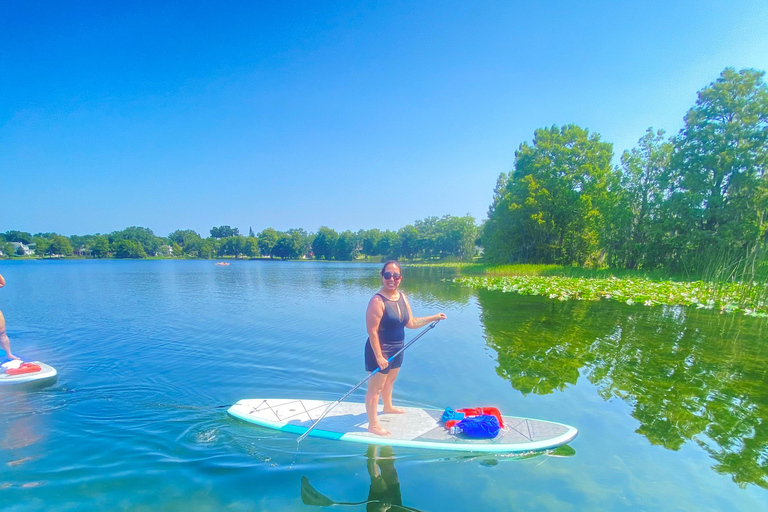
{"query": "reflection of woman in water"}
pixel 384 493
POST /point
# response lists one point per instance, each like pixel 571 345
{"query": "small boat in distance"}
pixel 224 263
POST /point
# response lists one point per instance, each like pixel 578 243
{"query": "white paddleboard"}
pixel 46 372
pixel 416 428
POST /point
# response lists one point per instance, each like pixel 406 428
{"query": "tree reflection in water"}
pixel 687 374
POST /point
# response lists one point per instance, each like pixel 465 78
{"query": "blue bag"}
pixel 479 427
pixel 449 414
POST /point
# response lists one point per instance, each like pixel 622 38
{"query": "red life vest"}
pixel 24 368
pixel 480 411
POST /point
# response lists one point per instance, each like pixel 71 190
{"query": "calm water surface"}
pixel 671 403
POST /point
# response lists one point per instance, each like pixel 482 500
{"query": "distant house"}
pixel 83 251
pixel 28 251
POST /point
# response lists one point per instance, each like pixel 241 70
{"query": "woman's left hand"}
pixel 440 316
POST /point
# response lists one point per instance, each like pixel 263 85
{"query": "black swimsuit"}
pixel 391 334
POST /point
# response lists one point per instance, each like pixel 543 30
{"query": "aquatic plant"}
pixel 724 297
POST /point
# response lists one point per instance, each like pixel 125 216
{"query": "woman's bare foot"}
pixel 378 430
pixel 394 410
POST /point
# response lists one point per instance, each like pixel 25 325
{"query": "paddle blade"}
pixel 310 496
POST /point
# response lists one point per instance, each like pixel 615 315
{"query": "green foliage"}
pixel 126 248
pixel 291 244
pixel 59 245
pixel 691 205
pixel 224 232
pixel 719 190
pixel 184 237
pixel 267 241
pixel 7 249
pixel 694 376
pixel 644 180
pixel 347 246
pixel 724 298
pixel 100 247
pixel 387 244
pixel 324 244
pixel 251 246
pixel 456 236
pixel 552 208
pixel 150 244
pixel 18 236
pixel 232 246
pixel 369 240
pixel 408 236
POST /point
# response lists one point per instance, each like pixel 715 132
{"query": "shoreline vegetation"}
pixel 750 299
pixel 680 221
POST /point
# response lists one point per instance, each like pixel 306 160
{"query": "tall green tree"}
pixel 302 241
pixel 125 248
pixel 7 249
pixel 388 244
pixel 719 188
pixel 41 245
pixel 644 180
pixel 347 246
pixel 144 236
pixel 251 246
pixel 291 244
pixel 100 247
pixel 224 232
pixel 456 236
pixel 184 236
pixel 324 244
pixel 232 246
pixel 18 236
pixel 369 240
pixel 59 245
pixel 552 208
pixel 267 241
pixel 409 242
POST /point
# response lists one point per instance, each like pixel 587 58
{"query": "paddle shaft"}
pixel 337 402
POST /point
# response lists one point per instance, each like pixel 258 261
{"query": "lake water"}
pixel 671 403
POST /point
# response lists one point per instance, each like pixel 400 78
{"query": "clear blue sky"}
pixel 353 115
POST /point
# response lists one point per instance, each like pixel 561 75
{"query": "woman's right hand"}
pixel 382 362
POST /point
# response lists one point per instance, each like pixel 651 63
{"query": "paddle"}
pixel 337 402
pixel 311 496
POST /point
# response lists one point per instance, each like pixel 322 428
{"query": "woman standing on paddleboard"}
pixel 388 314
pixel 5 343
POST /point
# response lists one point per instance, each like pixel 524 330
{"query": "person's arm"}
pixel 2 281
pixel 415 323
pixel 373 317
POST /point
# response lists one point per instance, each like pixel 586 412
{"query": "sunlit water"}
pixel 671 403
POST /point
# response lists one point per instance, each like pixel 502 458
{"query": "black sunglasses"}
pixel 392 275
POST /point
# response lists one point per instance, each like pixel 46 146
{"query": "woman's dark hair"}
pixel 388 263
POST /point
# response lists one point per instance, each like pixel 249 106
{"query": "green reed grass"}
pixel 724 280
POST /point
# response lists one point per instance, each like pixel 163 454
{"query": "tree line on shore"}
pixel 433 237
pixel 695 200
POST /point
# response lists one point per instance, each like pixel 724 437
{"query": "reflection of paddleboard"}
pixel 46 372
pixel 418 428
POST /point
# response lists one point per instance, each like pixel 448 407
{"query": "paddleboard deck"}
pixel 416 428
pixel 46 372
